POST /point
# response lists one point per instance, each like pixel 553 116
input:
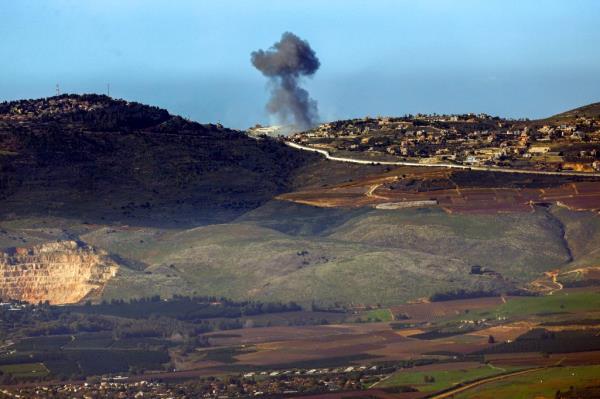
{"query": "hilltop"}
pixel 111 160
pixel 591 111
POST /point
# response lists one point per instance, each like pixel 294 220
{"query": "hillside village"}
pixel 26 109
pixel 469 139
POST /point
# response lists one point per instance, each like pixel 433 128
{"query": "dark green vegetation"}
pixel 182 308
pixel 84 340
pixel 115 161
pixel 143 318
pixel 580 392
pixel 73 363
pixel 465 294
pixel 541 340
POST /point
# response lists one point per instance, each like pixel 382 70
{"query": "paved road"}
pixel 439 165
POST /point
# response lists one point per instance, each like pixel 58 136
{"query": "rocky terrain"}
pixel 58 272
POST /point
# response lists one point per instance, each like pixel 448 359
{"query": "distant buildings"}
pixel 464 139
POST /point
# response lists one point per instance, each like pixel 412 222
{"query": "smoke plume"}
pixel 285 64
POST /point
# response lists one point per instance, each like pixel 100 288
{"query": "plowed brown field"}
pixel 408 186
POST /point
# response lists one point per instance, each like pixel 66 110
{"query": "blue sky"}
pixel 515 58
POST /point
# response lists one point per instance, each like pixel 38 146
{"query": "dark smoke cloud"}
pixel 285 63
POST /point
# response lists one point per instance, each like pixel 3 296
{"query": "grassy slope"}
pixel 356 257
pixel 531 242
pixel 285 251
pixel 582 231
pixel 297 219
pixel 244 260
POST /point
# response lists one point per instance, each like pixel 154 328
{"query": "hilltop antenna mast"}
pixel 108 89
pixel 57 89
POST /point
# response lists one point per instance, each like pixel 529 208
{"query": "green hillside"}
pixel 249 261
pixel 354 257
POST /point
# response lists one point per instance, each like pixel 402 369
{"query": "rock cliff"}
pixel 60 272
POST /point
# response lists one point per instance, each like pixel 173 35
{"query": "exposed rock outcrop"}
pixel 60 272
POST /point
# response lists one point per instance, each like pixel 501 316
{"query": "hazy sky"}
pixel 521 58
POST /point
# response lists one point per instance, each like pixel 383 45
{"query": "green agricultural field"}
pixel 561 302
pixel 442 379
pixel 543 383
pixel 140 342
pixel 36 344
pixel 224 355
pixel 88 362
pixel 96 362
pixel 25 370
pixel 377 315
pixel 90 341
pixel 63 367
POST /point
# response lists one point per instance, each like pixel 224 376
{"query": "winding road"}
pixel 327 155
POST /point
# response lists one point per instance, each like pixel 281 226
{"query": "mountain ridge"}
pixel 590 110
pixel 122 159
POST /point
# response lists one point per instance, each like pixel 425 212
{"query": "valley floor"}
pixel 469 348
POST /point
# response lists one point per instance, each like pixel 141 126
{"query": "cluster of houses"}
pixel 465 139
pixel 27 109
pixel 104 389
pixel 267 384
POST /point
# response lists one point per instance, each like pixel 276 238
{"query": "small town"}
pixel 469 139
pixel 265 384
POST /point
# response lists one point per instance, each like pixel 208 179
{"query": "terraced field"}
pixel 25 371
pixel 388 190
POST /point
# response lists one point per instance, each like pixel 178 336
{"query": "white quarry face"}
pixel 60 272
